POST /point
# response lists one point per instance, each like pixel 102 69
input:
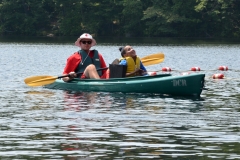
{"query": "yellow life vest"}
pixel 131 65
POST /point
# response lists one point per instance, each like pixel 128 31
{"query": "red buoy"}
pixel 195 69
pixel 218 76
pixel 223 68
pixel 152 73
pixel 166 69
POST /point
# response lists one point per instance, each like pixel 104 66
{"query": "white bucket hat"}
pixel 85 36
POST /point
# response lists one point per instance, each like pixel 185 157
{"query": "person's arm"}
pixel 72 63
pixel 103 64
pixel 69 78
pixel 142 67
pixel 137 72
pixel 144 70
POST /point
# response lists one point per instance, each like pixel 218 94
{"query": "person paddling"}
pixel 85 60
pixel 133 62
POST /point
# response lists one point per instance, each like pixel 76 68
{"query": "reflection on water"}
pixel 38 123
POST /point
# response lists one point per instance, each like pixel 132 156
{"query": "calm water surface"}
pixel 38 123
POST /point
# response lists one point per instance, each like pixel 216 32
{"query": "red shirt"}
pixel 74 60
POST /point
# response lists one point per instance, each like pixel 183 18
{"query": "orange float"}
pixel 152 73
pixel 218 76
pixel 195 69
pixel 223 68
pixel 166 69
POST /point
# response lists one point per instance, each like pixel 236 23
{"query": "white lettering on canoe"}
pixel 179 82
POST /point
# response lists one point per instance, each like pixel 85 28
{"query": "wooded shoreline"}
pixel 122 18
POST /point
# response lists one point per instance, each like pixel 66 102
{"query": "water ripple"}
pixel 37 123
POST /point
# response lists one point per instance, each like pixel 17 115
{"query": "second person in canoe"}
pixel 132 61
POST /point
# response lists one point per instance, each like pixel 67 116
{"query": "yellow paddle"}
pixel 35 81
pixel 34 78
pixel 153 59
pixel 42 81
pixel 156 55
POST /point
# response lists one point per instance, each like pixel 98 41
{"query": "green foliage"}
pixel 169 18
pixel 23 17
pixel 220 17
pixel 89 16
pixel 131 17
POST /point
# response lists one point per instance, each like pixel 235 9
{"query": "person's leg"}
pixel 116 61
pixel 91 72
pixel 106 74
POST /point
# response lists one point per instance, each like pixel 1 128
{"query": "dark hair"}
pixel 121 49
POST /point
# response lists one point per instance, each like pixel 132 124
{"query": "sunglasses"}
pixel 88 42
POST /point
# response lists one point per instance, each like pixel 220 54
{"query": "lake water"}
pixel 39 123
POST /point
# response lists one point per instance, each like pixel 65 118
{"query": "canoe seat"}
pixel 117 71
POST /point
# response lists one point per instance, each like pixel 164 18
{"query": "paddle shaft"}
pixel 68 75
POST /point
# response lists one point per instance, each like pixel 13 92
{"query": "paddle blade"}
pixel 156 55
pixel 35 78
pixel 152 61
pixel 42 82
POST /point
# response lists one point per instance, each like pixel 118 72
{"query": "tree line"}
pixel 127 18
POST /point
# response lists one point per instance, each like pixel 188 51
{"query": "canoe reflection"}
pixel 80 101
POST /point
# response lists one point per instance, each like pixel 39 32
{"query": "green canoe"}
pixel 183 85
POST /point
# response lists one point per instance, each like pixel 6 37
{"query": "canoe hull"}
pixel 186 85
